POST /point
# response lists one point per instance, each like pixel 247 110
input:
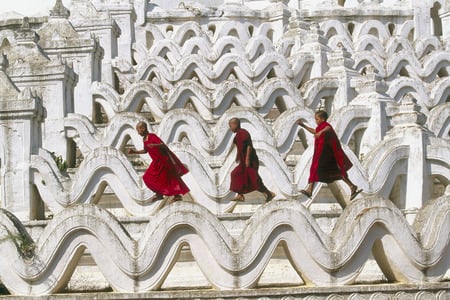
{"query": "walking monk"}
pixel 329 161
pixel 245 177
pixel 163 176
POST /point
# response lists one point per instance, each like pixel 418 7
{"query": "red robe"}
pixel 245 180
pixel 329 161
pixel 163 176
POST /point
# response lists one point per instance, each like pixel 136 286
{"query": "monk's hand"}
pixel 130 151
pixel 247 162
pixel 300 122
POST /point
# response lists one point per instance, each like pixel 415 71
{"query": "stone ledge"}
pixel 440 291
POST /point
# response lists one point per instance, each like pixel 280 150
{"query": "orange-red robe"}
pixel 329 161
pixel 163 176
pixel 245 180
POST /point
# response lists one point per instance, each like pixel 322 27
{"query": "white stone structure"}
pixel 75 213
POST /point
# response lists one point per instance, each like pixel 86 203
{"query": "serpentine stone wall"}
pixel 76 216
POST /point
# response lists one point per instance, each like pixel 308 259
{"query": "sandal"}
pixel 176 198
pixel 238 198
pixel 156 198
pixel 355 192
pixel 306 193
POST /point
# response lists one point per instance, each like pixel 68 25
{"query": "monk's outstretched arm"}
pixel 134 151
pixel 310 129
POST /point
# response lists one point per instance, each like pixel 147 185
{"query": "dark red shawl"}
pixel 329 160
pixel 163 176
pixel 245 180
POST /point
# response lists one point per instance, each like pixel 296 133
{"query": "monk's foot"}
pixel 306 193
pixel 269 196
pixel 176 198
pixel 355 191
pixel 156 197
pixel 239 198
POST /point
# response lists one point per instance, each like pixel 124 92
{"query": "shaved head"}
pixel 235 124
pixel 236 121
pixel 142 124
pixel 322 114
pixel 141 128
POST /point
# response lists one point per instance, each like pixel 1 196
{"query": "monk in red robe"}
pixel 163 176
pixel 329 161
pixel 245 177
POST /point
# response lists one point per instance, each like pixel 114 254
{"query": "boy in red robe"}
pixel 245 177
pixel 163 176
pixel 329 161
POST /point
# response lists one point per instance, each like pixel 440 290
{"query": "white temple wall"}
pixel 79 83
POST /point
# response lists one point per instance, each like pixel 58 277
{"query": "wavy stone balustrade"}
pixel 103 164
pixel 75 213
pixel 372 225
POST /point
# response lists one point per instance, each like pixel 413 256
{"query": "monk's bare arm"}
pixel 309 129
pixel 134 151
pixel 319 133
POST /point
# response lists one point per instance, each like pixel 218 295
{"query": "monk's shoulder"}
pixel 243 131
pixel 153 138
pixel 330 126
pixel 243 134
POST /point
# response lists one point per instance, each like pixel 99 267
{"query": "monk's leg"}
pixel 308 191
pixel 269 194
pixel 354 190
pixel 239 198
pixel 156 197
pixel 310 187
pixel 350 184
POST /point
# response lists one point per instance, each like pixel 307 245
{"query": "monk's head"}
pixel 321 116
pixel 141 128
pixel 234 124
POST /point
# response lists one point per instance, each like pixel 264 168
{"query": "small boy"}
pixel 329 160
pixel 163 176
pixel 245 177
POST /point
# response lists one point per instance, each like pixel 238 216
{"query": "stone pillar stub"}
pixel 55 84
pixel 20 114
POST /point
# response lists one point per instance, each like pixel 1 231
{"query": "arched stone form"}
pixel 228 262
pixel 73 86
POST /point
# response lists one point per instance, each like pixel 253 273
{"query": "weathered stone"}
pixel 76 214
